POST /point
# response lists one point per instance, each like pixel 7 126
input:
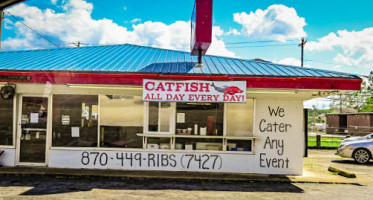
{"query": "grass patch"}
pixel 325 141
pixel 312 165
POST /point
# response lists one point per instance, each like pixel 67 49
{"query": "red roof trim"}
pixel 137 79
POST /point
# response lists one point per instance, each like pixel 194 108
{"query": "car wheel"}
pixel 361 156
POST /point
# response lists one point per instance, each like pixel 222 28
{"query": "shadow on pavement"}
pixel 45 185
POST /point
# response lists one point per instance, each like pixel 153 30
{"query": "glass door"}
pixel 33 129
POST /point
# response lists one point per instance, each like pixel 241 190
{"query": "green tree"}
pixel 360 101
pixel 368 107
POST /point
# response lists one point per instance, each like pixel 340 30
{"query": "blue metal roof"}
pixel 129 58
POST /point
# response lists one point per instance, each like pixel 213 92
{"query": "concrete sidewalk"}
pixel 312 174
pixel 309 176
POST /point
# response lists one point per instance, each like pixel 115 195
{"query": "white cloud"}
pixel 124 8
pixel 76 24
pixel 277 22
pixel 54 2
pixel 337 66
pixel 217 46
pixel 292 61
pixel 136 20
pixel 297 62
pixel 289 61
pixel 233 32
pixel 319 103
pixel 354 48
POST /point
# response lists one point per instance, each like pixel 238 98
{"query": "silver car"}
pixel 358 148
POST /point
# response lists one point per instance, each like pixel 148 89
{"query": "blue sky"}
pixel 340 33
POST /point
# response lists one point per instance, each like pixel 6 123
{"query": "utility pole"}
pixel 1 23
pixel 340 103
pixel 76 44
pixel 303 42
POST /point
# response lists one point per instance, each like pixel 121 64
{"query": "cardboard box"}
pixel 165 146
pixel 188 146
pixel 209 146
pixel 178 146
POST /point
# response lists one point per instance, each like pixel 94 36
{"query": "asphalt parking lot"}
pixel 320 160
pixel 70 187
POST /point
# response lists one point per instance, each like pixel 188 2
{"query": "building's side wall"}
pixel 359 125
pixel 279 151
pixel 332 122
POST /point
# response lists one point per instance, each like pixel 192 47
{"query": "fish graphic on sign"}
pixel 232 90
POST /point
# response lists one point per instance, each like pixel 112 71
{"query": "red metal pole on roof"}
pixel 201 28
pixel 200 55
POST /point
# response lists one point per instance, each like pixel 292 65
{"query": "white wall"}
pixel 280 150
pixel 160 160
pixel 8 158
pixel 266 159
pixel 276 152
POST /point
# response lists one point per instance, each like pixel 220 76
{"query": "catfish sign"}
pixel 194 91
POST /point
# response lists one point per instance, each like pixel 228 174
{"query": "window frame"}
pixel 52 96
pixel 99 128
pixel 172 121
pixel 14 125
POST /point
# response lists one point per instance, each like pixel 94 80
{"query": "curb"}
pixel 328 148
pixel 342 172
pixel 93 174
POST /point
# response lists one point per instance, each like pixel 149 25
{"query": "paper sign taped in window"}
pixel 34 118
pixel 180 118
pixel 75 132
pixel 65 119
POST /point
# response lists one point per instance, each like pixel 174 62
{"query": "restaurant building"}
pixel 131 107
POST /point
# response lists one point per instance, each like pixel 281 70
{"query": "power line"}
pixel 16 18
pixel 321 62
pixel 230 47
pixel 260 41
pixel 329 63
pixel 274 45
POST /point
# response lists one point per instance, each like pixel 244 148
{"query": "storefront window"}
pixel 121 119
pixel 202 119
pixel 159 116
pixel 240 124
pixel 240 118
pixel 6 122
pixel 75 120
pixel 199 119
